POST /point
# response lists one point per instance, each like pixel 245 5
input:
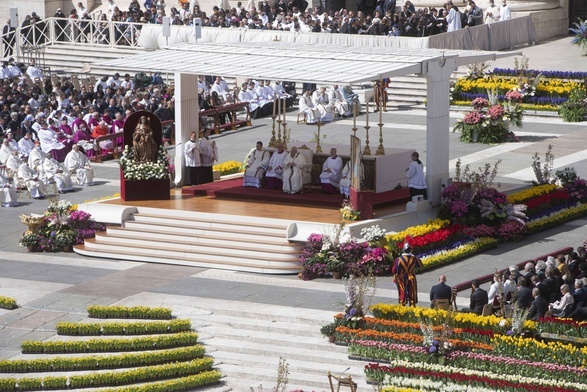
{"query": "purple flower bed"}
pixel 545 74
pixel 533 100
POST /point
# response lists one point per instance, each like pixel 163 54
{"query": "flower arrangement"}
pixel 489 123
pixel 348 213
pixel 61 226
pixel 580 31
pixel 135 171
pixel 373 235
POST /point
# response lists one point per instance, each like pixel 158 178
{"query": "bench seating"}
pixel 233 120
pixel 100 155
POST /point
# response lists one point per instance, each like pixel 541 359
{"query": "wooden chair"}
pixel 303 120
pixel 487 310
pixel 345 381
pixel 441 304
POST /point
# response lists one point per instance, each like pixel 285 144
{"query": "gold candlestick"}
pixel 354 120
pixel 318 147
pixel 279 123
pixel 273 141
pixel 367 149
pixel 284 123
pixel 380 148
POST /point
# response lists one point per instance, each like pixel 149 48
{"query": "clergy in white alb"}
pixel 274 174
pixel 50 143
pixel 55 171
pixel 331 173
pixel 322 103
pixel 12 165
pixel 26 145
pixel 191 153
pixel 257 163
pixel 77 162
pixel 208 154
pixel 36 157
pixel 416 177
pixel 345 180
pixel 307 106
pixel 31 180
pixel 8 195
pixel 293 172
pixel 5 151
pixel 340 105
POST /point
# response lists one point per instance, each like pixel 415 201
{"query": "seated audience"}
pixel 8 195
pixel 56 171
pixel 558 308
pixel 440 290
pixel 539 305
pixel 32 181
pixel 307 106
pixel 79 164
pixel 478 299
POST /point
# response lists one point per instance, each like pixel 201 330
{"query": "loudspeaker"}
pixel 198 28
pixel 14 17
pixel 166 26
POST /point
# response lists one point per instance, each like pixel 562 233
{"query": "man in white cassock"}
pixel 26 145
pixel 191 153
pixel 8 195
pixel 331 173
pixel 308 107
pixel 293 171
pixel 321 101
pixel 274 174
pixel 340 105
pixel 55 171
pixel 12 165
pixel 32 181
pixel 77 162
pixel 345 180
pixel 208 154
pixel 257 162
pixel 36 157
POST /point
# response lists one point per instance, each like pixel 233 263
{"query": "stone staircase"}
pixel 247 347
pixel 198 239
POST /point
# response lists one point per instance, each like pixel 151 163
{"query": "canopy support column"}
pixel 186 118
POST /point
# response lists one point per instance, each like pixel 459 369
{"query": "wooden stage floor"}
pixel 251 208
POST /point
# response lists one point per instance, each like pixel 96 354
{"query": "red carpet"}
pixel 233 189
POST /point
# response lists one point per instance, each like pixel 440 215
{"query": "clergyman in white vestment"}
pixel 293 172
pixel 257 162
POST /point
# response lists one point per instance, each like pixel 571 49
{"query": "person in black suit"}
pixel 440 291
pixel 539 306
pixel 8 39
pixel 523 297
pixel 478 299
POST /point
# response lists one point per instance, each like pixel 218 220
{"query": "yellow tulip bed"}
pixel 421 349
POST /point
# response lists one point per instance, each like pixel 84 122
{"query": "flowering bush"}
pixel 347 212
pixel 62 225
pixel 134 170
pixel 489 123
pixel 229 167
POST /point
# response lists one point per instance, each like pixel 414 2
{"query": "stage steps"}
pixel 248 344
pixel 236 243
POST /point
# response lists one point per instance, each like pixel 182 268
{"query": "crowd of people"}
pixel 554 287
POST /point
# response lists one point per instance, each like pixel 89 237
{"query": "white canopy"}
pixel 311 63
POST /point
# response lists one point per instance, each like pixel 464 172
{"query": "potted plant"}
pixel 580 32
pixel 29 240
pixel 65 239
pixel 328 330
pixel 336 266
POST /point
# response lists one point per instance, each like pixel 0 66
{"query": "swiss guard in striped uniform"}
pixel 404 272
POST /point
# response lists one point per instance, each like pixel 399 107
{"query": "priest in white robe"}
pixel 274 174
pixel 36 157
pixel 8 195
pixel 77 162
pixel 321 101
pixel 345 180
pixel 192 153
pixel 5 151
pixel 331 173
pixel 31 180
pixel 12 165
pixel 208 154
pixel 341 106
pixel 26 145
pixel 245 96
pixel 257 163
pixel 294 171
pixel 55 171
pixel 50 143
pixel 308 107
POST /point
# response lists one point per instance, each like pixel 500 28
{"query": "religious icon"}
pixel 145 147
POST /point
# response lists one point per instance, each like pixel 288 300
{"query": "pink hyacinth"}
pixel 472 118
pixel 480 103
pixel 496 112
pixel 514 96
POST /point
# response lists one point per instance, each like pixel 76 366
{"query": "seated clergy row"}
pixel 285 170
pixel 323 106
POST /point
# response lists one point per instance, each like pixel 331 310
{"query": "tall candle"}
pixel 381 110
pixel 274 99
pixel 355 115
pixel 367 115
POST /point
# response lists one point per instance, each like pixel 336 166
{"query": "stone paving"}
pixel 57 287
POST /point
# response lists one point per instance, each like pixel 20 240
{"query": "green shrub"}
pixel 111 345
pixel 112 378
pixel 124 328
pixel 102 362
pixel 138 312
pixel 180 384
